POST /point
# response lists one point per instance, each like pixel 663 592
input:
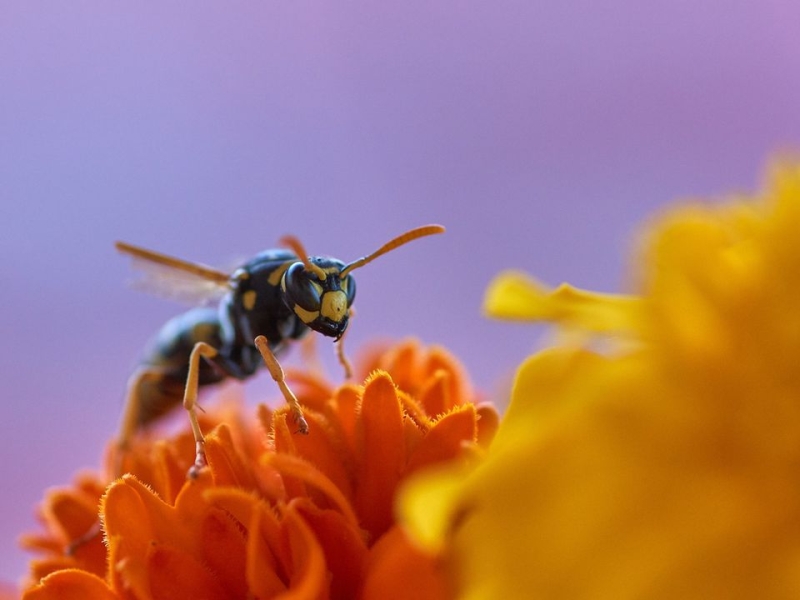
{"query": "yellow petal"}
pixel 515 295
pixel 427 505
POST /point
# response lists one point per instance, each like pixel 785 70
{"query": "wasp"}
pixel 273 299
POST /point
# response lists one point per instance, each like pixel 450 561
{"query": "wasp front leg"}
pixel 340 354
pixel 276 371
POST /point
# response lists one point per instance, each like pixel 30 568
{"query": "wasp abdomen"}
pixel 167 360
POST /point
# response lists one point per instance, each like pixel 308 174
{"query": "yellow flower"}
pixel 665 465
pixel 276 515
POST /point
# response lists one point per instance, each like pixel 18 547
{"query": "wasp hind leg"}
pixel 132 419
pixel 136 414
pixel 276 371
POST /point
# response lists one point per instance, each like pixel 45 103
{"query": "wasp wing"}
pixel 173 278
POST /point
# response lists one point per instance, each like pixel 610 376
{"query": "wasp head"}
pixel 319 295
pixel 321 290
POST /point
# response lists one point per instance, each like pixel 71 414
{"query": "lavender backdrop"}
pixel 539 133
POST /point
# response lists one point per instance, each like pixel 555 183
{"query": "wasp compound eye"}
pixel 300 289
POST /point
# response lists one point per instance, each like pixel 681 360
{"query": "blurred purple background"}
pixel 538 133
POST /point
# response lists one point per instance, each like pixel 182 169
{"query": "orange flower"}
pixel 275 514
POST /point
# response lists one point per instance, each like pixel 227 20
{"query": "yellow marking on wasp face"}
pixel 334 305
pixel 249 299
pixel 276 275
pixel 317 287
pixel 306 316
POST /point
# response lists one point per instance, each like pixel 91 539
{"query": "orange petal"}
pixel 71 584
pixel 446 439
pixel 440 359
pixel 285 446
pixel 294 466
pixel 263 578
pixel 124 509
pixel 382 454
pixel 436 395
pixel 311 390
pixel 42 567
pixel 343 545
pixel 248 509
pixel 174 574
pixel 400 362
pixel 190 503
pixel 264 416
pixel 40 542
pixel 324 450
pixel 415 411
pixel 370 357
pixel 308 578
pixel 136 519
pixel 282 432
pixel 89 556
pixel 413 435
pixel 344 406
pixel 171 473
pixel 69 512
pixel 161 463
pixel 225 460
pixel 130 509
pixel 270 529
pixel 88 483
pixel 238 503
pixel 397 569
pixel 129 533
pixel 222 549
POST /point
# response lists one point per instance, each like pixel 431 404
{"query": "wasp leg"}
pixel 132 416
pixel 342 358
pixel 276 371
pixel 340 355
pixel 200 350
pixel 94 531
pixel 131 422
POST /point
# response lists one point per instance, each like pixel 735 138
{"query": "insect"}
pixel 271 300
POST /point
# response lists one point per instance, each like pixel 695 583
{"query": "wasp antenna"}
pixel 403 238
pixel 291 242
pixel 198 269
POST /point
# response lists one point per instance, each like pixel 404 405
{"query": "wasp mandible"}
pixel 272 299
